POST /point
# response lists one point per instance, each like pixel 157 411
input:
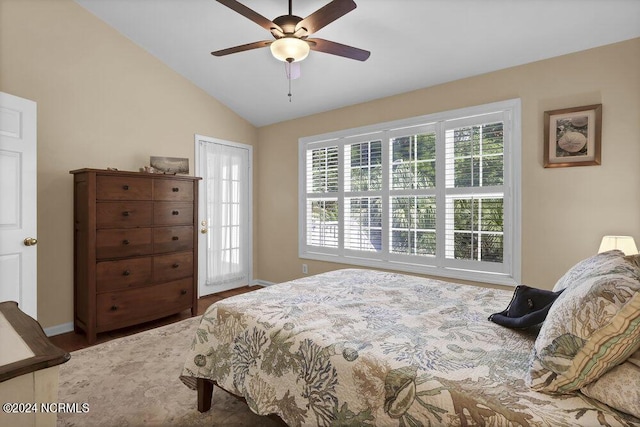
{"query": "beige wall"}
pixel 102 102
pixel 565 211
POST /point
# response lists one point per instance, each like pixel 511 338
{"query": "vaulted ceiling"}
pixel 413 44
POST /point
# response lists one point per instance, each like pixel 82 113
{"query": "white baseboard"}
pixel 59 329
pixel 263 283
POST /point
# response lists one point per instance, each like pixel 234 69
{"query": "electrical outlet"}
pixel 305 269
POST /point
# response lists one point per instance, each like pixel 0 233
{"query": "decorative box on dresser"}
pixel 135 248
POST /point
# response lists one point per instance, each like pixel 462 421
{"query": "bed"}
pixel 368 348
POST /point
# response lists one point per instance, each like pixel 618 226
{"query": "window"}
pixel 436 195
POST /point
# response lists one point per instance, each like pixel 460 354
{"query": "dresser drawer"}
pixel 123 274
pixel 172 239
pixel 123 188
pixel 123 214
pixel 123 308
pixel 167 213
pixel 173 190
pixel 173 266
pixel 120 243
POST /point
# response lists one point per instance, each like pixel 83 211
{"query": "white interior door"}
pixel 18 255
pixel 225 243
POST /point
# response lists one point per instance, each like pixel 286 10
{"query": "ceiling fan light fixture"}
pixel 290 49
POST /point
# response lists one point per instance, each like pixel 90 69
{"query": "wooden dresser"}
pixel 135 248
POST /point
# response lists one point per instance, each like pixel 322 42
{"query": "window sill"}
pixel 427 270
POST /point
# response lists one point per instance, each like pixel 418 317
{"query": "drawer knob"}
pixel 175 213
pixel 126 213
pixel 125 242
pixel 114 307
pixel 183 292
pixel 125 187
pixel 175 265
pixel 175 238
pixel 175 189
pixel 126 273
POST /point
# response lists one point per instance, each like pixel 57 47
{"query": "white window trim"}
pixel 511 190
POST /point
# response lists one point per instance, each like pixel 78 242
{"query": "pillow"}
pixel 593 326
pixel 528 307
pixel 587 268
pixel 620 387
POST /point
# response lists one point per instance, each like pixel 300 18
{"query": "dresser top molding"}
pixel 134 174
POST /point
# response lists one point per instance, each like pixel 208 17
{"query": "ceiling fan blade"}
pixel 326 15
pixel 242 48
pixel 250 14
pixel 339 49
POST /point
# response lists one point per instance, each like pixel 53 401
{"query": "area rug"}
pixel 133 381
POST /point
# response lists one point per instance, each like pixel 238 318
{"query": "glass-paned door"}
pixel 224 215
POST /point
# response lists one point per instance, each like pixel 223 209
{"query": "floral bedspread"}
pixel 367 348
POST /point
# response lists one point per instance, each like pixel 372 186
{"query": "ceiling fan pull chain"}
pixel 289 71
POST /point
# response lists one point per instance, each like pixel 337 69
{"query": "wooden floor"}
pixel 72 341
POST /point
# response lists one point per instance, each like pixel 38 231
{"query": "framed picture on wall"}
pixel 572 136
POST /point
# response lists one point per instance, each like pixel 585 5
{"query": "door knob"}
pixel 203 230
pixel 30 241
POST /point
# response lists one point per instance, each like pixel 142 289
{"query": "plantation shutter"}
pixel 474 191
pixel 432 195
pixel 363 195
pixel 412 192
pixel 322 197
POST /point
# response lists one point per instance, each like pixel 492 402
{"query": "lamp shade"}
pixel 289 49
pixel 624 243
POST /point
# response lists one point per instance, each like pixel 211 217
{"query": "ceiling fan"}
pixel 291 32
